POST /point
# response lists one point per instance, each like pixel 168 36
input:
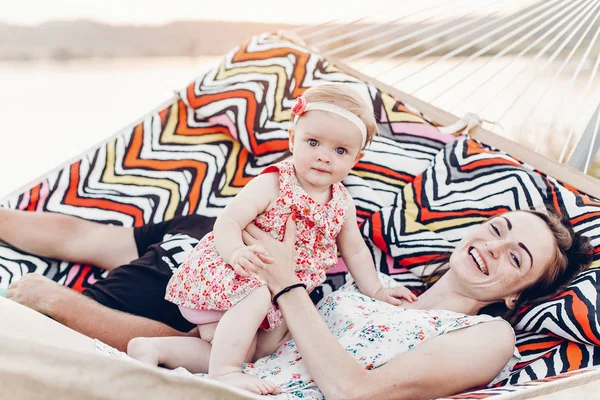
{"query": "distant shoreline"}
pixel 83 39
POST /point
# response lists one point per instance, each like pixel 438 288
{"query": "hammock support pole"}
pixel 588 145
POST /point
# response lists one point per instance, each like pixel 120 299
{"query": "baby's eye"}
pixel 341 151
pixel 312 142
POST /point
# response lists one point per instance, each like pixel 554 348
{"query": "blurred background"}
pixel 73 73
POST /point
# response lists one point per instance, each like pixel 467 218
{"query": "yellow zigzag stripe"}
pixel 169 136
pixel 110 177
pixel 279 114
pixel 378 177
pixel 411 211
pixel 397 116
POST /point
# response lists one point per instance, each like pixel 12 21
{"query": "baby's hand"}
pixel 393 295
pixel 245 260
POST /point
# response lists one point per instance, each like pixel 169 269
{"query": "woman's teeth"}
pixel 478 260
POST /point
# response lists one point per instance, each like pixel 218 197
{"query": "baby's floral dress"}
pixel 372 331
pixel 206 282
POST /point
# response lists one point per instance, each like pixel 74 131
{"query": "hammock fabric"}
pixel 416 190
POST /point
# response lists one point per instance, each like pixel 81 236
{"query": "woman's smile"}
pixel 478 260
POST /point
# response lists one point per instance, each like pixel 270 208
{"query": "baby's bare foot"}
pixel 247 382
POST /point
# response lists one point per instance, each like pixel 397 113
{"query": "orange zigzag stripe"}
pixel 251 107
pixel 71 198
pixel 300 66
pixel 132 160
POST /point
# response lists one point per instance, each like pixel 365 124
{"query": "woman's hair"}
pixel 342 95
pixel 572 254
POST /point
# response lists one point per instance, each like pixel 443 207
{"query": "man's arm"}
pixel 83 314
pixel 68 238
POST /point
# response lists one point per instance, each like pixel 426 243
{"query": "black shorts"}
pixel 139 287
pixel 139 290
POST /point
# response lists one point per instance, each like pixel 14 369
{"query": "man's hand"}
pixel 281 259
pixel 35 291
pixel 393 295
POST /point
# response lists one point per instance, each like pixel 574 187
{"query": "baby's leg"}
pixel 234 335
pixel 207 333
pixel 268 342
pixel 190 353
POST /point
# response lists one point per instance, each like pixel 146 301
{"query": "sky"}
pixel 154 12
pixel 31 12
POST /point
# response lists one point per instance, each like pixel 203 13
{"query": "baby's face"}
pixel 325 147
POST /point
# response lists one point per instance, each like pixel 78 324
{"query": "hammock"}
pixel 417 190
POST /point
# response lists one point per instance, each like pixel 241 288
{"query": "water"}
pixel 51 112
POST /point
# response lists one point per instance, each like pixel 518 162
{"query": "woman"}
pixel 514 259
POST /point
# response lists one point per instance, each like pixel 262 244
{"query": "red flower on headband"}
pixel 300 106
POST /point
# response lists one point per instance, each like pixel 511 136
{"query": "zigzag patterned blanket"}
pixel 223 129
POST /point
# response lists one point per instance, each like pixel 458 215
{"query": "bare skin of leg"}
pixel 190 353
pixel 74 239
pixel 68 238
pixel 233 337
pixel 268 342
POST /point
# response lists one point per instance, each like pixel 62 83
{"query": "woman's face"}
pixel 502 256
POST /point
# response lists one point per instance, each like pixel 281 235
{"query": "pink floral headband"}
pixel 303 106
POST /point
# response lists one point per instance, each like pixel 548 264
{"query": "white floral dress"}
pixel 373 332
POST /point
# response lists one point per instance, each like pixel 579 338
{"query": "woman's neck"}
pixel 445 296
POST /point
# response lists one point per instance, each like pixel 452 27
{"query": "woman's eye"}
pixel 312 142
pixel 496 230
pixel 341 151
pixel 516 259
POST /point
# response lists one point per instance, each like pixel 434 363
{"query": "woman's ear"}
pixel 291 141
pixel 511 301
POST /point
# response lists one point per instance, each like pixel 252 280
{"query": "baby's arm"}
pixel 252 200
pixel 358 259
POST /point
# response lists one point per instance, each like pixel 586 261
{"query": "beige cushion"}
pixel 31 370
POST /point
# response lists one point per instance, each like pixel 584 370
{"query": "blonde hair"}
pixel 342 95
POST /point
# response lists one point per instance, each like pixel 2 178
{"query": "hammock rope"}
pixel 455 55
pixel 393 31
pixel 411 34
pixel 527 34
pixel 575 13
pixel 433 49
pixel 573 78
pixel 514 28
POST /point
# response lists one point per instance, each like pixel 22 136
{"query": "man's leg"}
pixel 83 314
pixel 68 238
